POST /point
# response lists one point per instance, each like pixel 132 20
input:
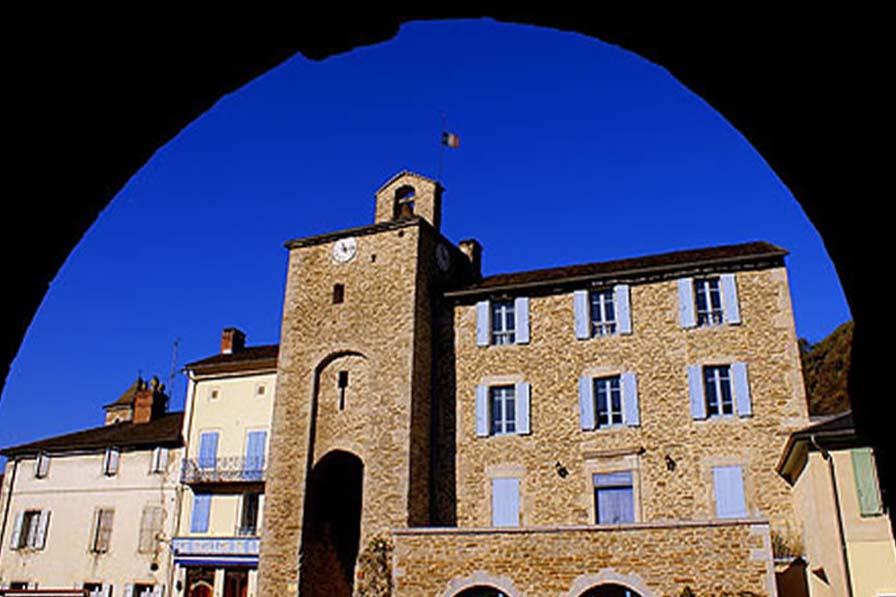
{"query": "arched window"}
pixel 404 201
pixel 482 591
pixel 610 590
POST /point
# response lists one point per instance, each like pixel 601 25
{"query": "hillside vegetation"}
pixel 825 370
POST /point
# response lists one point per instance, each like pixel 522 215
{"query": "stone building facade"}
pixel 585 430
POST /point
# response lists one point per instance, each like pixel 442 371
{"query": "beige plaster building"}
pixel 849 548
pixel 230 399
pixel 94 510
pixel 601 429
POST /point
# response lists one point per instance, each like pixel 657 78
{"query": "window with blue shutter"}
pixel 521 325
pixel 581 314
pixel 208 449
pixel 730 304
pixel 506 502
pixel 201 507
pixel 586 403
pixel 523 406
pixel 741 389
pixel 728 485
pixel 482 419
pixel 483 323
pixel 255 445
pixel 695 390
pixel 687 316
pixel 623 309
pixel 630 412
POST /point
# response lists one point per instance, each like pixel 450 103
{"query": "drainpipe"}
pixel 12 485
pixel 827 456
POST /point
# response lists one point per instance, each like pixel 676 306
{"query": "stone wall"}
pixel 658 350
pixel 711 558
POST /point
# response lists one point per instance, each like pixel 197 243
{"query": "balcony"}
pixel 228 469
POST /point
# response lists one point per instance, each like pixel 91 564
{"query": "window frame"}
pixel 718 387
pixel 507 420
pixel 502 310
pixel 42 465
pixel 598 325
pixel 610 413
pixel 708 287
pixel 98 528
pixel 29 529
pixel 243 530
pixel 614 487
pixel 108 469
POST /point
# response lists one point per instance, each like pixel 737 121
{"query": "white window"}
pixel 249 514
pixel 503 322
pixel 159 460
pixel 30 529
pixel 603 313
pixel 608 397
pixel 502 409
pixel 728 486
pixel 110 461
pixel 42 465
pixel 708 301
pixel 719 390
pixel 614 498
pixel 506 502
pixel 102 530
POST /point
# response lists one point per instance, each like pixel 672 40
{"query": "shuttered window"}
pixel 728 485
pixel 102 530
pixel 505 502
pixel 42 465
pixel 867 488
pixel 201 507
pixel 502 322
pixel 708 301
pixel 150 528
pixel 608 401
pixel 110 461
pixel 719 390
pixel 208 449
pixel 159 460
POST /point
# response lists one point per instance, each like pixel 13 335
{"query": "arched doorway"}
pixel 482 591
pixel 610 590
pixel 331 527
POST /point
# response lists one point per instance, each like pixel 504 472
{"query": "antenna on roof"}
pixel 173 373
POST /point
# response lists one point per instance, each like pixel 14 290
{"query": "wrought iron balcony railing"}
pixel 228 469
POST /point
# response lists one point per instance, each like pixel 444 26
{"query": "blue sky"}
pixel 572 151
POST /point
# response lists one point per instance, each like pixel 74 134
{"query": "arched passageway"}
pixel 331 527
pixel 482 591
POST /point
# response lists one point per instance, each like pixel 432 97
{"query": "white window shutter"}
pixel 621 296
pixel 42 466
pixel 730 304
pixel 630 414
pixel 521 316
pixel 686 309
pixel 695 386
pixel 741 389
pixel 158 591
pixel 581 309
pixel 483 325
pixel 17 531
pixel 114 456
pixel 505 502
pixel 107 590
pixel 482 411
pixel 728 484
pixel 41 539
pixel 129 590
pixel 586 403
pixel 523 404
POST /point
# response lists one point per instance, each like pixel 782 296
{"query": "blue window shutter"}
pixel 866 482
pixel 483 326
pixel 523 404
pixel 255 443
pixel 208 449
pixel 482 411
pixel 581 309
pixel 695 387
pixel 730 305
pixel 621 296
pixel 521 314
pixel 686 315
pixel 728 484
pixel 630 415
pixel 586 403
pixel 505 502
pixel 741 389
pixel 201 506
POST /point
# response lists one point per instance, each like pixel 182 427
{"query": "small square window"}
pixel 708 297
pixel 503 322
pixel 614 498
pixel 260 389
pixel 214 393
pixel 503 410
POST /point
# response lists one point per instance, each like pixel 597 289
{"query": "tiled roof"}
pixel 250 357
pixel 727 254
pixel 163 431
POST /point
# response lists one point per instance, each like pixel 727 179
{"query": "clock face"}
pixel 443 258
pixel 344 249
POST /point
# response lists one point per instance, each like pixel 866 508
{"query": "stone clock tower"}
pixel 350 440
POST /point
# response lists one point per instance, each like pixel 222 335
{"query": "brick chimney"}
pixel 150 401
pixel 232 340
pixel 473 250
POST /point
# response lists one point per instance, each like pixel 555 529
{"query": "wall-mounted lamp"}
pixel 670 463
pixel 561 470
